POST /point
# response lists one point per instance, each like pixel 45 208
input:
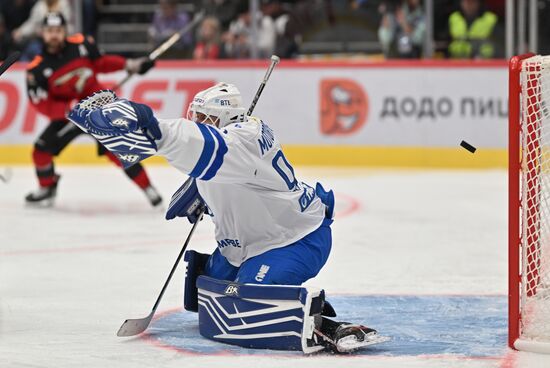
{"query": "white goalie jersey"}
pixel 257 204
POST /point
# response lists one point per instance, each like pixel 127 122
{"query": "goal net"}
pixel 529 229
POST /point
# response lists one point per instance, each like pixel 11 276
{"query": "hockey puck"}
pixel 468 146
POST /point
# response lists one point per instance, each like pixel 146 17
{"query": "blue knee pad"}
pixel 196 263
pixel 219 268
pixel 291 265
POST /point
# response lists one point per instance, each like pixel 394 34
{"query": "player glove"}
pixel 127 129
pixel 186 202
pixel 121 118
pixel 146 120
pixel 140 65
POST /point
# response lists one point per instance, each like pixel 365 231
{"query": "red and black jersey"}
pixel 54 81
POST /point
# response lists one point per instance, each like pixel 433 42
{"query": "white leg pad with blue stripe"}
pixel 274 317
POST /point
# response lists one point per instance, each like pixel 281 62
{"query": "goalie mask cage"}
pixel 529 203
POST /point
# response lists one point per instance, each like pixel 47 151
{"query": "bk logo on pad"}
pixel 343 105
pixel 232 290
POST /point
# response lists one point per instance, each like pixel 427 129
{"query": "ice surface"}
pixel 69 276
pixel 418 325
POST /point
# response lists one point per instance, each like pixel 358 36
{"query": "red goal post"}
pixel 529 203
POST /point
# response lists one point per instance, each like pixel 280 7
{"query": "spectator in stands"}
pixel 470 29
pixel 208 43
pixel 225 11
pixel 238 40
pixel 281 20
pixel 167 21
pixel 26 35
pixel 402 29
pixel 89 17
pixel 5 40
pixel 15 12
pixel 31 27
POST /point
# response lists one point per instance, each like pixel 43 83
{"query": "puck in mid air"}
pixel 468 146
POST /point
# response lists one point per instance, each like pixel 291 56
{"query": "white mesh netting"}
pixel 535 199
pixel 98 100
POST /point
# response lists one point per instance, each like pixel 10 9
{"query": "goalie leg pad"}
pixel 259 316
pixel 196 263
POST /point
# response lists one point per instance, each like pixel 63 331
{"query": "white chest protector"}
pixel 242 174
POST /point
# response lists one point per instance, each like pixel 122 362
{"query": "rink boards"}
pixel 325 113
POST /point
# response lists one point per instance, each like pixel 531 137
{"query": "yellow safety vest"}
pixel 464 39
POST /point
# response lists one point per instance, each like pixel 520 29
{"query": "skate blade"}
pixel 158 208
pixel 46 203
pixel 350 343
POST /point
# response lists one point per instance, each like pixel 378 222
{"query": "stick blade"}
pixel 132 327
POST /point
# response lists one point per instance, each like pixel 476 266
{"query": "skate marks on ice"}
pixel 424 326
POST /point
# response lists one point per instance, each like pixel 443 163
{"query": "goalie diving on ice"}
pixel 272 230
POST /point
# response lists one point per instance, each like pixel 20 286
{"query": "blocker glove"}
pixel 186 202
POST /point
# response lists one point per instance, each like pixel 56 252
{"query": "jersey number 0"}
pixel 283 168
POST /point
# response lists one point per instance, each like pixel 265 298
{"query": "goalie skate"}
pixel 353 337
pixel 349 337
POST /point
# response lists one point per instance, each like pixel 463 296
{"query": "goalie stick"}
pixel 155 54
pixel 132 327
pixel 274 61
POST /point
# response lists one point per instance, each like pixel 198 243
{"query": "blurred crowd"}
pixel 463 29
pixel 227 30
pixel 470 29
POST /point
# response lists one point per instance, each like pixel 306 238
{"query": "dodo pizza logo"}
pixel 344 106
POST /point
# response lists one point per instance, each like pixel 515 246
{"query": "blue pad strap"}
pixel 196 263
pixel 147 120
pixel 259 316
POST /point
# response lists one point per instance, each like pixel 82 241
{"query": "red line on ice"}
pixel 354 205
pixel 509 360
pixel 94 248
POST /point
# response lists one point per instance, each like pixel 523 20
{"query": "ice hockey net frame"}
pixel 529 203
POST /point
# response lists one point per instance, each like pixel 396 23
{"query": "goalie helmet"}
pixel 219 105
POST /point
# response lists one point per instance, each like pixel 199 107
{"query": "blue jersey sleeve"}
pixel 205 152
pixel 212 155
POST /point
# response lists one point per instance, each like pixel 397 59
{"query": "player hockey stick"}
pixel 12 58
pixel 132 327
pixel 6 176
pixel 156 53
